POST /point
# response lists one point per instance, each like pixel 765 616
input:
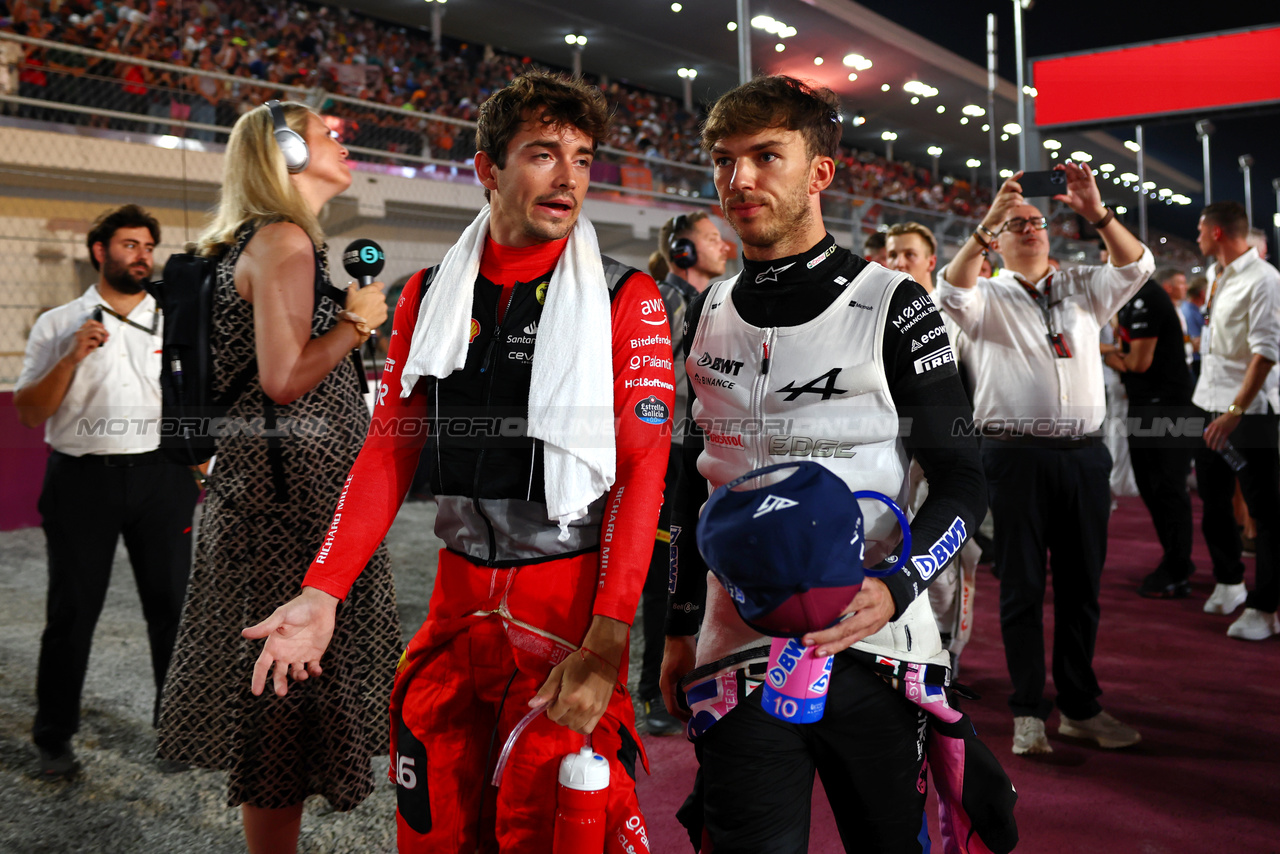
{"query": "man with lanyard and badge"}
pixel 92 366
pixel 1030 343
pixel 806 355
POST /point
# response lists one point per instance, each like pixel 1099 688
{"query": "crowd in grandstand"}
pixel 348 54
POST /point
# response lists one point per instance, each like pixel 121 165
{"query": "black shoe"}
pixel 58 765
pixel 1157 585
pixel 172 766
pixel 658 721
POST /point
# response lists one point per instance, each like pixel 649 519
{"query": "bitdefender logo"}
pixel 772 503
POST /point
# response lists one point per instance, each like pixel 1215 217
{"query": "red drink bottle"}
pixel 581 802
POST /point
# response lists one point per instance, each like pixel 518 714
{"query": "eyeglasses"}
pixel 1019 224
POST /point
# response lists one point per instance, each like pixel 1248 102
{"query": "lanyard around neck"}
pixel 1057 341
pixel 155 319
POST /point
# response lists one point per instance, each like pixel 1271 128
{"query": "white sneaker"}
pixel 1028 736
pixel 1102 728
pixel 1226 598
pixel 1254 625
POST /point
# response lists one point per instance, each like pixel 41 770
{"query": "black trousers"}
pixel 1257 441
pixel 754 789
pixel 1057 502
pixel 1160 447
pixel 86 507
pixel 656 584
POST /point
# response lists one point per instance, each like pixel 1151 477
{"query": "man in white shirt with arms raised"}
pixel 1030 342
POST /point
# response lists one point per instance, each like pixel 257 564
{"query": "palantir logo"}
pixel 772 503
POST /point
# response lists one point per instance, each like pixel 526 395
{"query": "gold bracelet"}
pixel 1235 409
pixel 361 325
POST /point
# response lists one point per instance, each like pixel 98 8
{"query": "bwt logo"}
pixel 941 552
pixel 788 660
pixel 720 364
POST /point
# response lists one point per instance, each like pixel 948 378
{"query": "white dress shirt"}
pixel 1021 386
pixel 112 405
pixel 1244 319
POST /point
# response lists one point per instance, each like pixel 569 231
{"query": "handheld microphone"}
pixel 363 260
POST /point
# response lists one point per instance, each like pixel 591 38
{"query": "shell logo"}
pixel 475 330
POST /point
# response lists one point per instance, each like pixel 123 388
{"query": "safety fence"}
pixel 126 108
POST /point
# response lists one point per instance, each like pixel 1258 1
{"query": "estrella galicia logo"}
pixel 652 411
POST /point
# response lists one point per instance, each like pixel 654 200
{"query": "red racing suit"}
pixel 511 599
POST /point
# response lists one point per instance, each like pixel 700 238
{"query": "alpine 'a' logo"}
pixel 771 503
pixel 827 391
pixel 771 274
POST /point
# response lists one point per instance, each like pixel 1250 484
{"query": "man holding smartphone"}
pixel 1030 336
pixel 92 364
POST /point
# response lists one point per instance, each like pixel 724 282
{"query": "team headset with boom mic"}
pixel 683 252
pixel 294 148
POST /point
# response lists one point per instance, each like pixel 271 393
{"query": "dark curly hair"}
pixel 109 222
pixel 552 99
pixel 777 101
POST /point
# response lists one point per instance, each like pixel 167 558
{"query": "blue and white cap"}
pixel 786 541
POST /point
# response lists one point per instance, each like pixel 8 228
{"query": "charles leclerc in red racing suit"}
pixel 511 599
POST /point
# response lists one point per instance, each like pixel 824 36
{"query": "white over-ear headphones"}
pixel 294 148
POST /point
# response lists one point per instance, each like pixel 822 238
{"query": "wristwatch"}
pixel 1234 409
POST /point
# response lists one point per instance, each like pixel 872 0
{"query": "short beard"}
pixel 792 215
pixel 120 279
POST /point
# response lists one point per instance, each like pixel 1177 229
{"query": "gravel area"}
pixel 121 801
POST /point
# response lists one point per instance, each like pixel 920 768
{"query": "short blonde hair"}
pixel 901 228
pixel 255 181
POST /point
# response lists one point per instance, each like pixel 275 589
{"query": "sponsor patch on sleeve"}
pixel 652 411
pixel 936 359
pixel 942 551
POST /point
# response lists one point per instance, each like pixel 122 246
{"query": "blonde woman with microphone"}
pixel 283 338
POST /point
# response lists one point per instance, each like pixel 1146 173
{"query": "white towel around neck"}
pixel 571 388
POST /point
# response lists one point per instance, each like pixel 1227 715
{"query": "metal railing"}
pixel 117 92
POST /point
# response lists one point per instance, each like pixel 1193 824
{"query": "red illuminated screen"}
pixel 1203 73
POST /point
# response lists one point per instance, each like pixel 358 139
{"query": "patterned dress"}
pixel 269 503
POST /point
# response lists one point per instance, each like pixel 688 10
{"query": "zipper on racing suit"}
pixel 758 388
pixel 486 368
